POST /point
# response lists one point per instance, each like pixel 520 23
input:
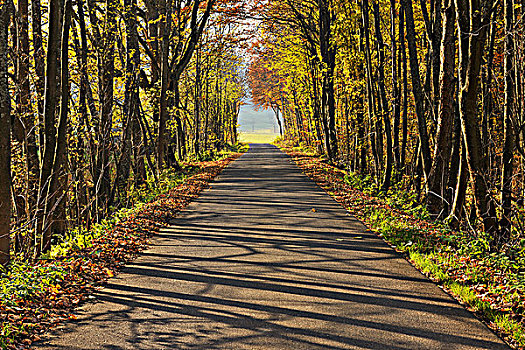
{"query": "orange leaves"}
pixel 25 319
pixel 265 83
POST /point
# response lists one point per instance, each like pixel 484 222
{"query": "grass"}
pixel 38 295
pixel 491 284
pixel 254 137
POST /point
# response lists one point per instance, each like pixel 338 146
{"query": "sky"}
pixel 262 121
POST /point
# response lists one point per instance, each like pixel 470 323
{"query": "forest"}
pixel 99 99
pixel 425 96
pixel 103 100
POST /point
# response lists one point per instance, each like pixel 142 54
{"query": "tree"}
pixel 473 17
pixel 417 88
pixel 438 197
pixel 5 140
pixel 265 85
pixel 46 198
pixel 508 144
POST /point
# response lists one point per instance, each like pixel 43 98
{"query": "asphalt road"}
pixel 267 260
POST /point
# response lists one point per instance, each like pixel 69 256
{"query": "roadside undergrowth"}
pixel 491 285
pixel 37 296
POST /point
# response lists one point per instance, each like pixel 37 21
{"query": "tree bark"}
pixel 328 51
pixel 403 59
pixel 162 142
pixel 106 77
pixel 130 99
pixel 5 141
pixel 59 181
pixel 198 92
pixel 508 148
pixel 365 48
pixel 384 101
pixel 472 18
pixel 24 108
pixel 417 89
pixel 437 199
pixel 39 57
pixel 396 96
pixel 43 225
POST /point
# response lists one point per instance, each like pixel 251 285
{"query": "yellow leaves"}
pixel 109 272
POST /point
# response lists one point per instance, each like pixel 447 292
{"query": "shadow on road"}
pixel 266 260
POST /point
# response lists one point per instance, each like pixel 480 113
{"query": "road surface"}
pixel 266 260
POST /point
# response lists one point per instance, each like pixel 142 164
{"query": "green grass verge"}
pixel 436 255
pixel 491 284
pixel 24 283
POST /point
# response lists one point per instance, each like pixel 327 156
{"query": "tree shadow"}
pixel 266 260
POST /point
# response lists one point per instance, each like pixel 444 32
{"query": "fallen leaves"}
pixel 60 285
pixel 502 289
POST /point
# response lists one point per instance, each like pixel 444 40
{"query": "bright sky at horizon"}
pixel 262 121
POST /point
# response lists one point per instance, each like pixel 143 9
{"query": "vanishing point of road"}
pixel 266 260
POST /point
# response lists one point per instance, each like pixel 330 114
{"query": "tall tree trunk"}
pixel 24 108
pixel 437 199
pixel 107 67
pixel 39 57
pixel 365 48
pixel 487 79
pixel 198 92
pixel 153 33
pixel 43 225
pixel 5 140
pixel 162 141
pixel 130 99
pixel 328 50
pixel 434 30
pixel 384 102
pixel 396 96
pixel 59 179
pixel 508 148
pixel 403 58
pixel 417 89
pixel 86 100
pixel 472 18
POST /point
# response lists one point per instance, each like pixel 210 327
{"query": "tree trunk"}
pixel 417 89
pixel 162 141
pixel 328 53
pixel 58 181
pixel 403 58
pixel 38 55
pixel 365 48
pixel 487 81
pixel 107 55
pixel 5 140
pixel 24 108
pixel 130 100
pixel 474 20
pixel 460 191
pixel 276 113
pixel 437 199
pixel 396 96
pixel 43 232
pixel 508 148
pixel 384 101
pixel 198 88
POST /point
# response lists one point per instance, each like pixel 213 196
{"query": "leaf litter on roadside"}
pixel 49 290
